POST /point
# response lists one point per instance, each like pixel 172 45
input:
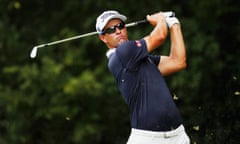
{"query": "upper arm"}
pixel 176 60
pixel 168 65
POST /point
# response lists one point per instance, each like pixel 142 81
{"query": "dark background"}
pixel 66 95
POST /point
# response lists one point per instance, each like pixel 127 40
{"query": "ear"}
pixel 102 38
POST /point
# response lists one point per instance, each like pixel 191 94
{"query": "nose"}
pixel 118 30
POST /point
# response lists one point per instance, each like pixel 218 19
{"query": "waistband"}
pixel 156 134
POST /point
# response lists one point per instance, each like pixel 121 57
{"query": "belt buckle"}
pixel 165 135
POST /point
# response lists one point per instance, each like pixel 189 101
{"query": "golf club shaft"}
pixel 87 34
pixel 34 50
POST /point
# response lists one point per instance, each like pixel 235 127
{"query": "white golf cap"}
pixel 104 18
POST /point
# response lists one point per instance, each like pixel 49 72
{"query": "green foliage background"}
pixel 67 95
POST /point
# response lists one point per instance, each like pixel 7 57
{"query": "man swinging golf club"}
pixel 155 118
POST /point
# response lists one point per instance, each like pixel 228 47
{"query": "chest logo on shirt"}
pixel 138 43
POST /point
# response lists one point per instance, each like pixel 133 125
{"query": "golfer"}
pixel 155 118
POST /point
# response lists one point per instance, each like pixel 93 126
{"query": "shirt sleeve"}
pixel 155 59
pixel 131 52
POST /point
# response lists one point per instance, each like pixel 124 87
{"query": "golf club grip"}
pixel 145 21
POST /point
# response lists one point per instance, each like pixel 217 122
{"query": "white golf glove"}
pixel 171 21
pixel 169 14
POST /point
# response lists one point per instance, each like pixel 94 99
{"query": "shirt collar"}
pixel 110 52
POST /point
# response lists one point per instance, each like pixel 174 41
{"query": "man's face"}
pixel 117 34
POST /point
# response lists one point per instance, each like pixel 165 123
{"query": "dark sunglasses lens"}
pixel 121 25
pixel 113 29
pixel 110 30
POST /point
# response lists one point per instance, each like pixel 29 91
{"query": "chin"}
pixel 122 40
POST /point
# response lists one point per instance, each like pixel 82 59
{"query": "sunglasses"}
pixel 112 29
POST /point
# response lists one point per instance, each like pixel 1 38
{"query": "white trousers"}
pixel 177 136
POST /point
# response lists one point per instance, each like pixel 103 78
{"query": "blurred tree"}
pixel 67 95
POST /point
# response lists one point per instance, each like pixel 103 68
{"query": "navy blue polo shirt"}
pixel 143 87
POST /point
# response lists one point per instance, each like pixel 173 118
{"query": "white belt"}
pixel 156 134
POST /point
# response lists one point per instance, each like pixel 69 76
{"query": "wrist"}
pixel 172 21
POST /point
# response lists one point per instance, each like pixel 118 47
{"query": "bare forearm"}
pixel 178 50
pixel 159 33
pixel 176 60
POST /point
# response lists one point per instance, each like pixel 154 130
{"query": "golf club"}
pixel 35 48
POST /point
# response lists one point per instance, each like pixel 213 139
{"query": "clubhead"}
pixel 34 52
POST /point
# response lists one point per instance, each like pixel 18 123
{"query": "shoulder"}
pixel 132 46
pixel 133 43
pixel 132 49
